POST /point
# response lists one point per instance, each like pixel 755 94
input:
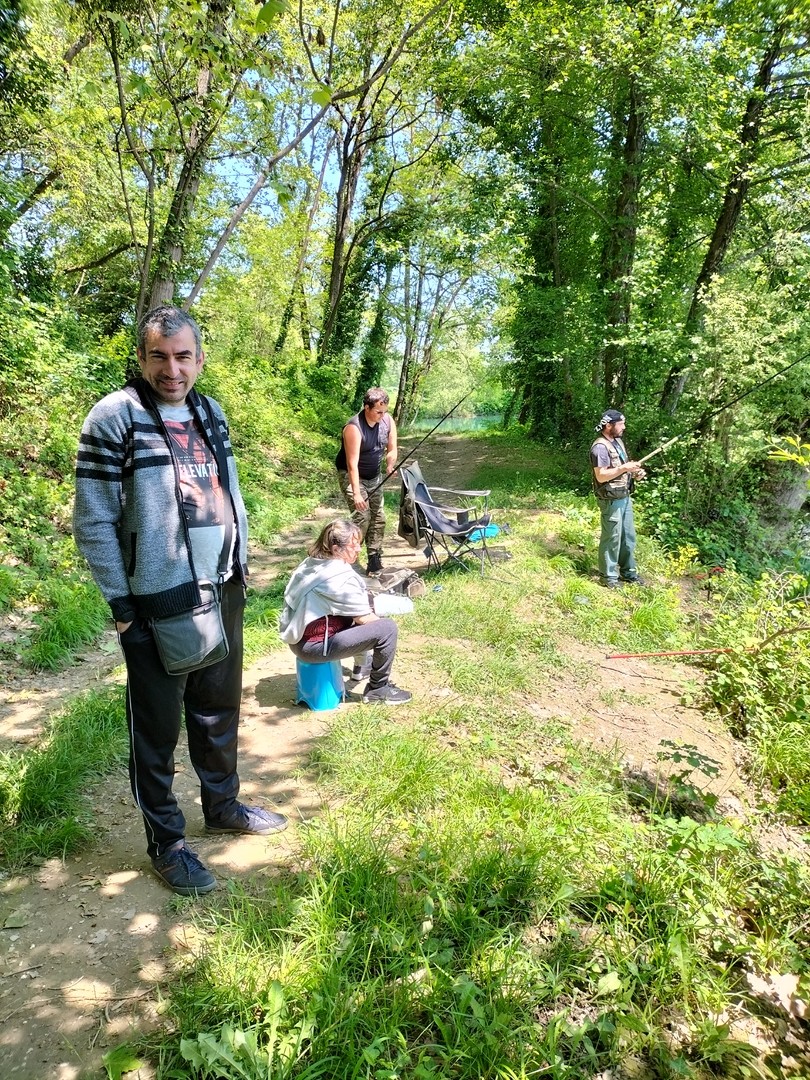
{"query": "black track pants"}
pixel 155 705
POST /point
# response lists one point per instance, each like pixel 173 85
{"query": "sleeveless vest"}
pixel 373 445
pixel 621 486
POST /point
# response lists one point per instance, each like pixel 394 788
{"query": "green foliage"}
pixel 512 925
pixel 43 807
pixel 760 686
pixel 71 614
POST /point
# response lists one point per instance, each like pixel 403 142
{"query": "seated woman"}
pixel 328 616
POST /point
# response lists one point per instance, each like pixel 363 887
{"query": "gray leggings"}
pixel 379 635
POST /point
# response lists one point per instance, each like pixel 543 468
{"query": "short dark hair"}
pixel 167 321
pixel 375 396
pixel 337 533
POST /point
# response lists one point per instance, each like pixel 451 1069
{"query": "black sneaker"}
pixel 387 694
pixel 249 819
pixel 374 564
pixel 612 583
pixel 183 872
pixel 635 580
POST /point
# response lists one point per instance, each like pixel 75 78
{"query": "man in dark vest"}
pixel 368 437
pixel 614 479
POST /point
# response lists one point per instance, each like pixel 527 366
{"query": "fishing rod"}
pixel 728 404
pixel 413 450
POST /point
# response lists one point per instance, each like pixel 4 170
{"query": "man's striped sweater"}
pixel 128 517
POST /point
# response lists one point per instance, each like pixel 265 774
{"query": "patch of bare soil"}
pixel 88 943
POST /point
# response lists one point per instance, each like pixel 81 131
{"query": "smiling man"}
pixel 159 513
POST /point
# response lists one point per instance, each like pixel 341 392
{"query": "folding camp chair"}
pixel 457 531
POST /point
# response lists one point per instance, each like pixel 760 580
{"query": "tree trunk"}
pixel 353 152
pixel 735 195
pixel 171 244
pixel 620 247
pixel 287 314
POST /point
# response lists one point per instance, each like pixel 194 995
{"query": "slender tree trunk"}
pixel 734 198
pixel 171 245
pixel 297 284
pixel 412 314
pixel 353 152
pixel 620 247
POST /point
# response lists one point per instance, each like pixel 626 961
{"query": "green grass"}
pixel 43 806
pixel 444 923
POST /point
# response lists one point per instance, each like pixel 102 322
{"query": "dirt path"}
pixel 87 943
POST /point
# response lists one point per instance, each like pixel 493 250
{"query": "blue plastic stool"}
pixel 319 685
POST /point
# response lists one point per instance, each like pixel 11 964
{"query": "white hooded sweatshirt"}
pixel 320 587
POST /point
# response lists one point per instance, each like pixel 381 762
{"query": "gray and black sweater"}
pixel 128 518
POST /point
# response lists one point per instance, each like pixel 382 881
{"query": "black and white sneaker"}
pixel 375 565
pixel 388 694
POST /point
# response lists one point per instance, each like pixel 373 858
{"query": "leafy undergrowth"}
pixel 761 684
pixel 487 897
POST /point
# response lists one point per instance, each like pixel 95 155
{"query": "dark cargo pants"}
pixel 370 521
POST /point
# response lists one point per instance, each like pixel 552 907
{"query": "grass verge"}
pixel 44 811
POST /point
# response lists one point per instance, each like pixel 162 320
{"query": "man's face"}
pixel 375 413
pixel 615 430
pixel 170 364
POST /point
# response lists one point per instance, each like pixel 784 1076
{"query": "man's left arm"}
pixel 392 448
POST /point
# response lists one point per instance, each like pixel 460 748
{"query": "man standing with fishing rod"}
pixel 614 477
pixel 367 438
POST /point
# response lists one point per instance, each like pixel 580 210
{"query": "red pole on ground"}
pixel 679 652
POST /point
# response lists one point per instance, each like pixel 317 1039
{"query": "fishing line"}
pixel 701 423
pixel 415 448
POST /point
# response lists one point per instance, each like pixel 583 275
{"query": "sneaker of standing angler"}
pixel 611 583
pixel 253 820
pixel 183 872
pixel 375 566
pixel 635 580
pixel 387 694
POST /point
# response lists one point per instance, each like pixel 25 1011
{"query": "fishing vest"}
pixel 621 486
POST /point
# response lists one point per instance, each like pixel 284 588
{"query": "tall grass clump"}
pixel 261 619
pixel 43 809
pixel 71 614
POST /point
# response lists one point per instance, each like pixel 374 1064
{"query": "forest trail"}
pixel 88 941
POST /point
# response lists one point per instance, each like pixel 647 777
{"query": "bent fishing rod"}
pixel 728 404
pixel 413 450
